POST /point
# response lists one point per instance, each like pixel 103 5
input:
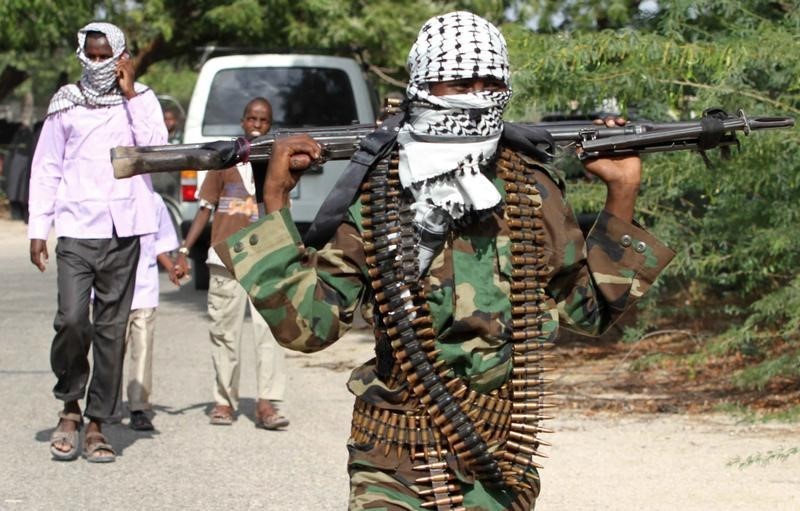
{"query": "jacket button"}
pixel 626 240
pixel 640 247
pixel 253 239
pixel 238 247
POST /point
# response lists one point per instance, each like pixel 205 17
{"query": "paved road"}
pixel 597 462
pixel 186 463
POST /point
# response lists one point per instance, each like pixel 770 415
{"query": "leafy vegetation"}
pixel 735 226
pixel 765 458
pixel 747 416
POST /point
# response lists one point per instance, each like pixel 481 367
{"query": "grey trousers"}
pixel 108 266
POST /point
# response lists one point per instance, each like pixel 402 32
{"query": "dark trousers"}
pixel 108 266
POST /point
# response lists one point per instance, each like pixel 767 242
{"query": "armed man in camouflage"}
pixel 462 246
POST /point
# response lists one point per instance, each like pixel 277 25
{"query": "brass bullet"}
pixel 527 260
pixel 525 297
pixel 533 358
pixel 524 449
pixel 521 310
pixel 522 335
pixel 530 394
pixel 526 347
pixel 524 383
pixel 448 488
pixel 401 435
pixel 437 478
pixel 515 223
pixel 516 210
pixel 527 429
pixel 423 425
pixel 520 460
pixel 412 426
pixel 522 285
pixel 439 465
pixel 526 322
pixel 533 406
pixel 445 501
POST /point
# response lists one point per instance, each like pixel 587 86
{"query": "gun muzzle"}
pixel 131 161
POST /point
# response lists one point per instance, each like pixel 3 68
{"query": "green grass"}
pixel 764 458
pixel 747 415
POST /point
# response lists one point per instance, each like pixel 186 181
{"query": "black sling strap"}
pixel 372 149
pixel 376 145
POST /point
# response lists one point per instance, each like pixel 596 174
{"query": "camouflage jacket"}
pixel 309 297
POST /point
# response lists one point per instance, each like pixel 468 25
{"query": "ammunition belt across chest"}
pixel 495 438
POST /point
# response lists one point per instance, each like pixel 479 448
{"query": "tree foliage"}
pixel 33 35
pixel 378 33
pixel 736 225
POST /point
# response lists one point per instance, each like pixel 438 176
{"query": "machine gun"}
pixel 714 129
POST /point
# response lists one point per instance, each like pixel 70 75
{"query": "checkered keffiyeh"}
pixel 447 139
pixel 455 46
pixel 98 84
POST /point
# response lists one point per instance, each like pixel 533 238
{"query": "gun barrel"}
pixel 340 142
pixel 679 136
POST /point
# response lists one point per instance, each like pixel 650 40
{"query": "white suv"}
pixel 305 91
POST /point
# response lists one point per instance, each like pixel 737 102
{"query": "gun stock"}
pixel 340 142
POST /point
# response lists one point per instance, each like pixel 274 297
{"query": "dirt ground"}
pixel 652 375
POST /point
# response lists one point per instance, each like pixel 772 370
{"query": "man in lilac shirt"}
pixel 98 221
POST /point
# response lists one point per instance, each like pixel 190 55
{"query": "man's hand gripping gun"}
pixel 714 129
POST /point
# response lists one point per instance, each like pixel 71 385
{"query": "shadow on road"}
pixel 185 296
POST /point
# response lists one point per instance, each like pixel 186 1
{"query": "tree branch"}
pixel 752 95
pixel 149 55
pixel 386 78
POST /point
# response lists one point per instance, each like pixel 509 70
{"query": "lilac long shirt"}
pixel 72 181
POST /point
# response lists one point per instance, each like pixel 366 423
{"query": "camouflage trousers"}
pixel 389 482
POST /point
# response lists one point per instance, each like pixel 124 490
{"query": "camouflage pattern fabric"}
pixel 388 483
pixel 309 297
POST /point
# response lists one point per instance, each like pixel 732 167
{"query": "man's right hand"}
pixel 182 266
pixel 290 157
pixel 39 256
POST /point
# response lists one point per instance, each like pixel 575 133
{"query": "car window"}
pixel 300 97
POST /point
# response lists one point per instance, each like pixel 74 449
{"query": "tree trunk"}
pixel 149 54
pixel 10 79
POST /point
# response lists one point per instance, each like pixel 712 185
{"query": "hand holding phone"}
pixel 125 75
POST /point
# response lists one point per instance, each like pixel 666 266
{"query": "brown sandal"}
pixel 268 416
pixel 221 415
pixel 73 438
pixel 90 451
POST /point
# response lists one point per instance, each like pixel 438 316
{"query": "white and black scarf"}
pixel 98 85
pixel 447 139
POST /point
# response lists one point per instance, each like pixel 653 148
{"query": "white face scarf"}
pixel 448 138
pixel 98 83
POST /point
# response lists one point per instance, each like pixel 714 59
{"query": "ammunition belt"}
pixel 404 318
pixel 390 246
pixel 523 215
pixel 414 431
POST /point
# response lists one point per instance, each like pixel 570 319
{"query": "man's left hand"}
pixel 621 174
